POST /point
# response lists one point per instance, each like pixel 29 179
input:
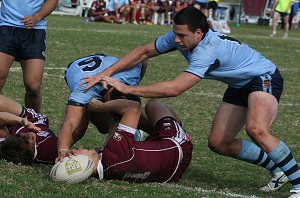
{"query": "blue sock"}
pixel 250 152
pixel 284 159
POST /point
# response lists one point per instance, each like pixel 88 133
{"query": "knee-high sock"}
pixel 250 152
pixel 284 159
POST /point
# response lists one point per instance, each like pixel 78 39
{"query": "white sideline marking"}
pixel 127 32
pixel 201 190
pixel 201 93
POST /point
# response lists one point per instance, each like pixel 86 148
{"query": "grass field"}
pixel 209 175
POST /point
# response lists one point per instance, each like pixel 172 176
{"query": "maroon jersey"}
pixel 162 157
pixel 98 6
pixel 46 141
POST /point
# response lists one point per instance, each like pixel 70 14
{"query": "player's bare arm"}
pixel 46 9
pixel 7 118
pixel 71 130
pixel 134 57
pixel 169 88
pixel 128 109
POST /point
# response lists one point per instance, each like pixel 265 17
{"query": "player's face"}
pixel 185 38
pixel 86 152
pixel 31 138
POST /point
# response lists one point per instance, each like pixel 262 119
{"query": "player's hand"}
pixel 94 105
pixel 116 84
pixel 62 153
pixel 29 125
pixel 30 21
pixel 92 80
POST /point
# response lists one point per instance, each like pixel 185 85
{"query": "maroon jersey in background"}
pixel 98 6
pixel 46 141
pixel 162 157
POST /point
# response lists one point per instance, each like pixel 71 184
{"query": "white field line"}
pixel 201 93
pixel 201 190
pixel 127 32
pixel 263 37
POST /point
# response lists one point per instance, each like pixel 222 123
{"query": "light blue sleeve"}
pixel 166 43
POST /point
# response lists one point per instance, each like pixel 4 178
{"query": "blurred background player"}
pixel 120 9
pixel 162 157
pixel 23 25
pixel 213 6
pixel 281 8
pixel 201 5
pixel 25 134
pixel 99 13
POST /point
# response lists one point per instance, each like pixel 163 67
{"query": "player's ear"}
pixel 198 34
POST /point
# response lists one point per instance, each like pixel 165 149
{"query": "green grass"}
pixel 209 175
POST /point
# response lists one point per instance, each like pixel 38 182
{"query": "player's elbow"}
pixel 172 92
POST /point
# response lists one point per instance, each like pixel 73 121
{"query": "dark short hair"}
pixel 15 149
pixel 193 18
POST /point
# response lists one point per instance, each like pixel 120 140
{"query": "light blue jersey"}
pixel 13 11
pixel 91 65
pixel 221 58
pixel 110 5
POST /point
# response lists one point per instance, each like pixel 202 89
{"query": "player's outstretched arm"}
pixel 134 57
pixel 71 130
pixel 169 88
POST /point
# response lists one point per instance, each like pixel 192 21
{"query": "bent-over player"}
pixel 76 117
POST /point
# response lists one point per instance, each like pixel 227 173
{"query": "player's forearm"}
pixel 134 57
pixel 156 90
pixel 46 9
pixel 9 119
pixel 65 139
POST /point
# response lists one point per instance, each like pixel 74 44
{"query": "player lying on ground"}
pixel 76 117
pixel 25 135
pixel 162 157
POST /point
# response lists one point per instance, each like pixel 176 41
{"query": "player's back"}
pixel 87 66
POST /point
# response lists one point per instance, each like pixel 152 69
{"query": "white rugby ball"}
pixel 72 170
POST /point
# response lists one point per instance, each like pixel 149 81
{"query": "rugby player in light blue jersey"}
pixel 76 117
pixel 23 38
pixel 251 99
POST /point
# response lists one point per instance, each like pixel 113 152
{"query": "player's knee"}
pixel 151 103
pixel 216 146
pixel 33 89
pixel 256 133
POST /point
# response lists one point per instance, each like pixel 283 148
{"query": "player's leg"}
pixel 105 122
pixel 286 25
pixel 274 23
pixel 261 113
pixel 33 70
pixel 228 121
pixel 155 110
pixel 5 63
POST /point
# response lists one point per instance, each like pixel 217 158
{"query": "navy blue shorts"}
pixel 272 84
pixel 23 44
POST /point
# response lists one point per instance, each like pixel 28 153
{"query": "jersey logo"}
pixel 136 175
pixel 117 136
pixel 43 133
